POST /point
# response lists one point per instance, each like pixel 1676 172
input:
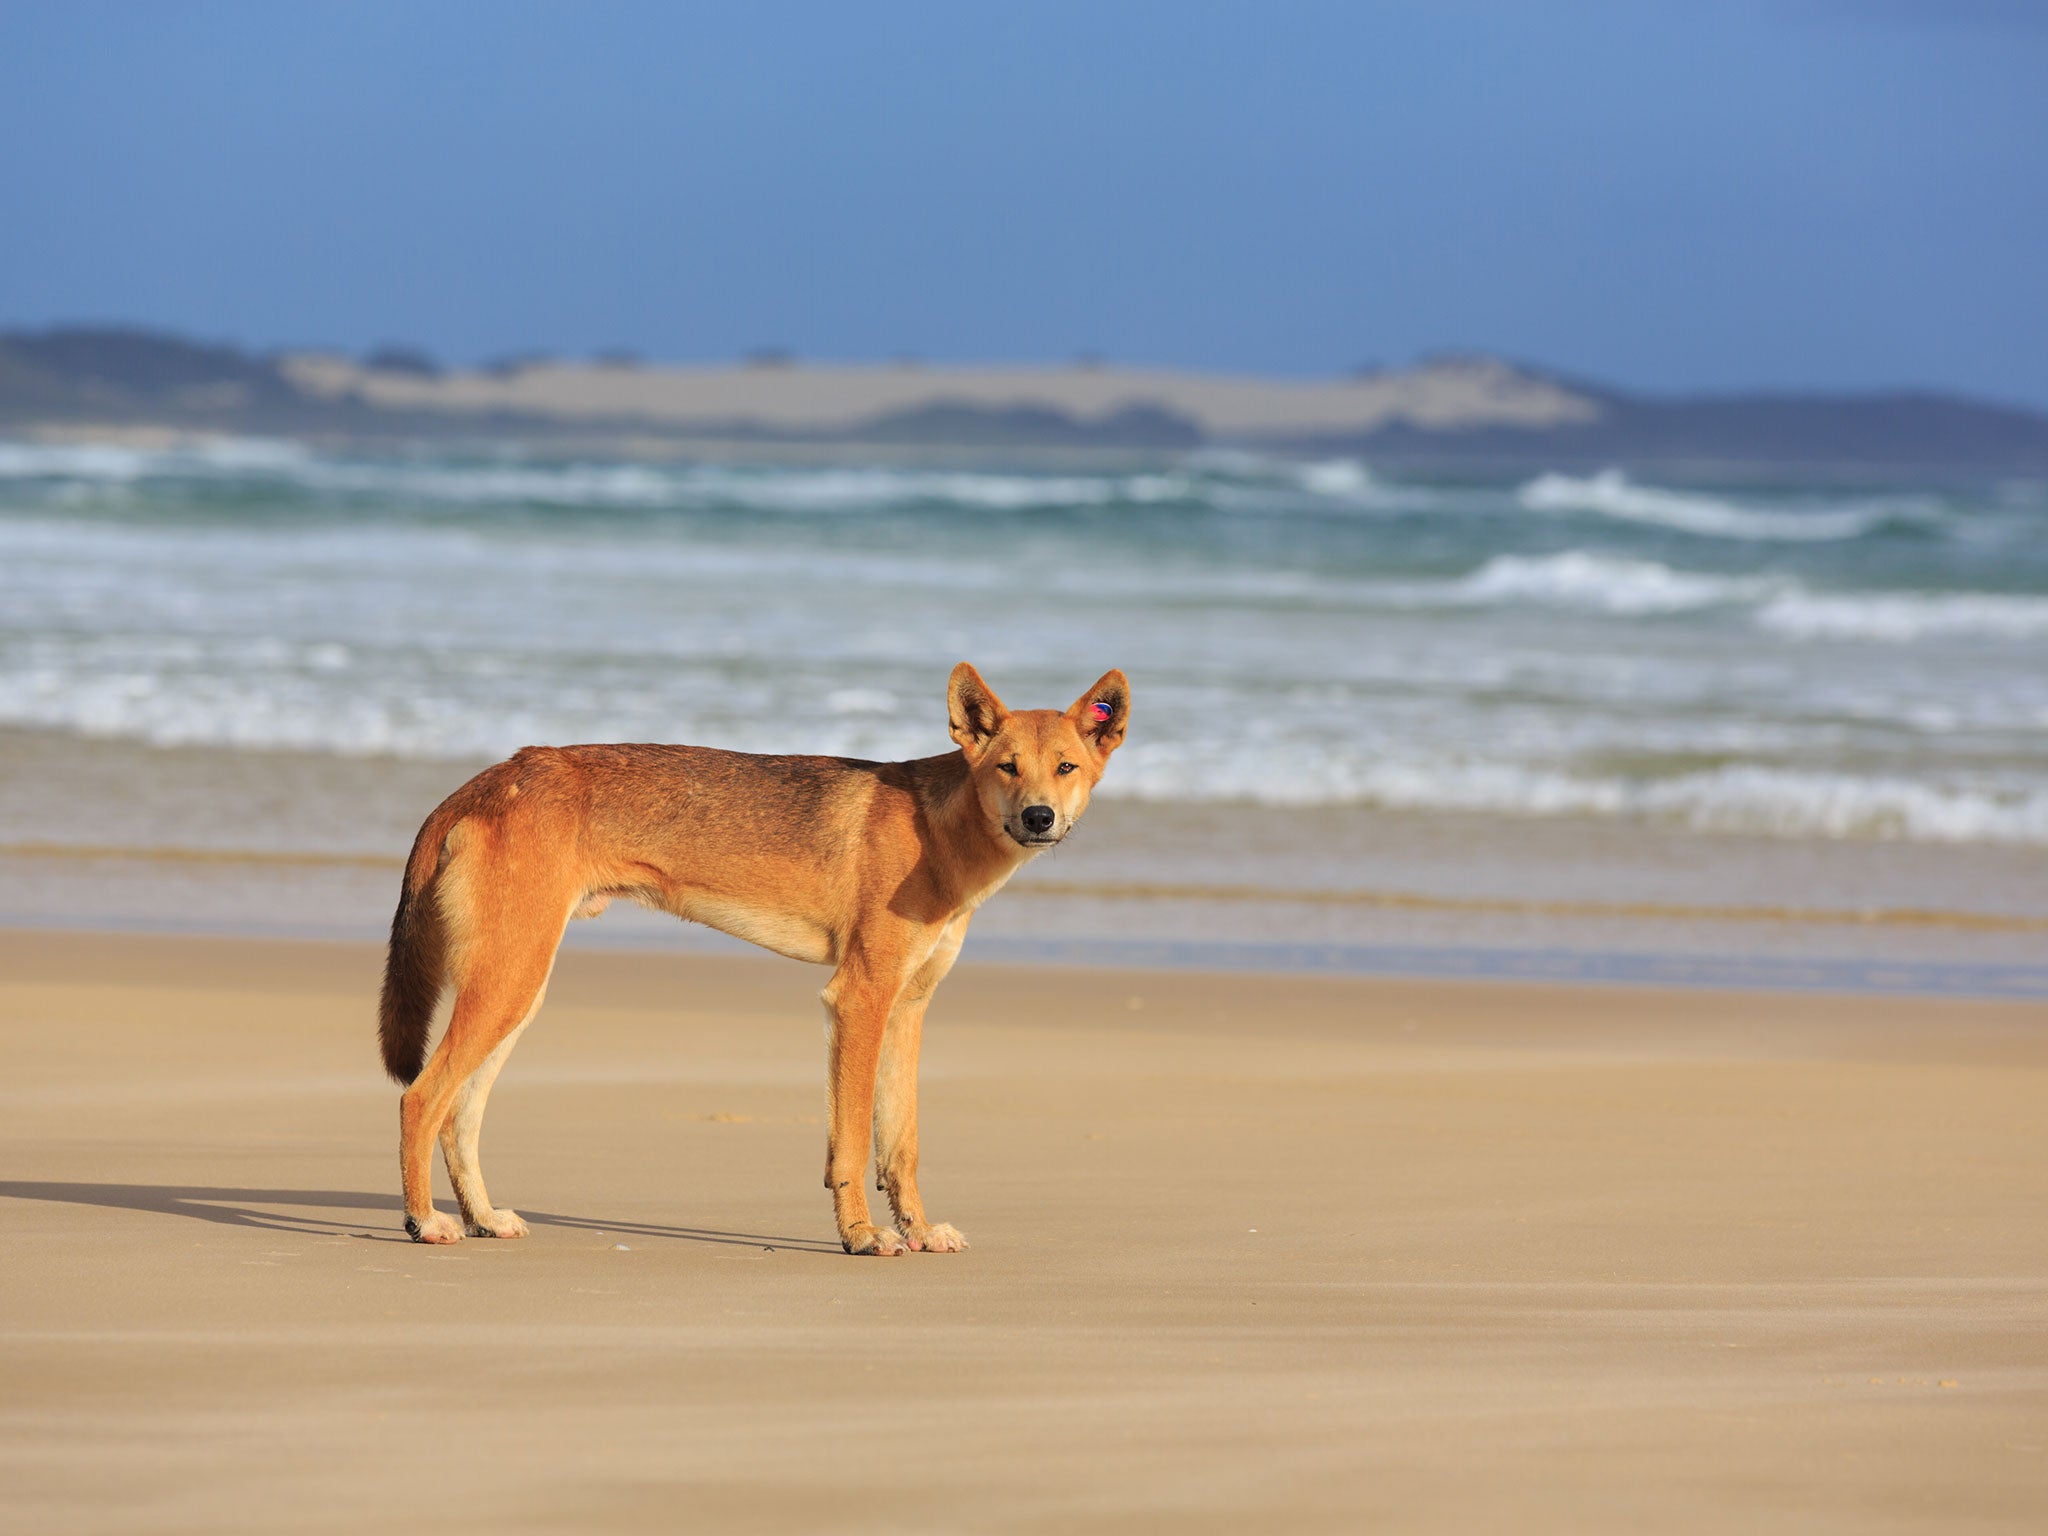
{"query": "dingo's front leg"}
pixel 857 1006
pixel 896 1103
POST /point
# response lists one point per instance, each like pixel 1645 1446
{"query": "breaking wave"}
pixel 1588 582
pixel 576 484
pixel 119 463
pixel 1612 494
pixel 1336 477
pixel 1903 617
pixel 320 698
pixel 1565 647
pixel 1226 480
pixel 1743 798
pixel 1607 584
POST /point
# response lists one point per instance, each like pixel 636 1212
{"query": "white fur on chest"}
pixel 974 899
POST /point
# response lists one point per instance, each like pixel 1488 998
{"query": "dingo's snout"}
pixel 1033 769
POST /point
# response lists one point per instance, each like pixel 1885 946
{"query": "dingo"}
pixel 871 868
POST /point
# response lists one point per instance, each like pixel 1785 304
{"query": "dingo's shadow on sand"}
pixel 377 1213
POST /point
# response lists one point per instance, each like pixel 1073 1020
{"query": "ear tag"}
pixel 1102 712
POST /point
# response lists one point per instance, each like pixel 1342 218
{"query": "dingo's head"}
pixel 1033 768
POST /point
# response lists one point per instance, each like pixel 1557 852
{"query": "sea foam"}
pixel 1613 584
pixel 1737 798
pixel 121 463
pixel 1374 642
pixel 1903 617
pixel 1612 494
pixel 515 481
pixel 1336 477
pixel 1589 582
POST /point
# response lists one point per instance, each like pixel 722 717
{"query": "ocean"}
pixel 1567 659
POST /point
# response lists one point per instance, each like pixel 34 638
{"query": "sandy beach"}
pixel 1293 1253
pixel 1538 580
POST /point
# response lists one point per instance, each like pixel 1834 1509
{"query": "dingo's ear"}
pixel 975 713
pixel 1101 713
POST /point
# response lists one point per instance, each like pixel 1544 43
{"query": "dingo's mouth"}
pixel 1028 840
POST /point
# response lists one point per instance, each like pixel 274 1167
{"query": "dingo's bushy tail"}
pixel 416 966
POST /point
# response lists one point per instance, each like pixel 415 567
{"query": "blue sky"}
pixel 1809 193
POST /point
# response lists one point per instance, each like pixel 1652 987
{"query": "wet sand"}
pixel 112 834
pixel 1249 1253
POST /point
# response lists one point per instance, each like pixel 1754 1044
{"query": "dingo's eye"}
pixel 1066 768
pixel 1009 768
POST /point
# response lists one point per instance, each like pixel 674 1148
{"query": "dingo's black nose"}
pixel 1037 819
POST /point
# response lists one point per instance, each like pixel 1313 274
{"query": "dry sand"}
pixel 1248 1254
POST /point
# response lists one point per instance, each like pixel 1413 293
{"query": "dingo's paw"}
pixel 941 1237
pixel 881 1241
pixel 436 1227
pixel 496 1224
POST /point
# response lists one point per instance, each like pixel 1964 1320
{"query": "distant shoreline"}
pixel 1450 411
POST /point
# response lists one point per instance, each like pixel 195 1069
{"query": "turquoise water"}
pixel 1790 660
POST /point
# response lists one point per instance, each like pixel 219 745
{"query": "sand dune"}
pixel 1451 393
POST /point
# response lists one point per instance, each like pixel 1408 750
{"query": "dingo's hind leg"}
pixel 501 972
pixel 459 1134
